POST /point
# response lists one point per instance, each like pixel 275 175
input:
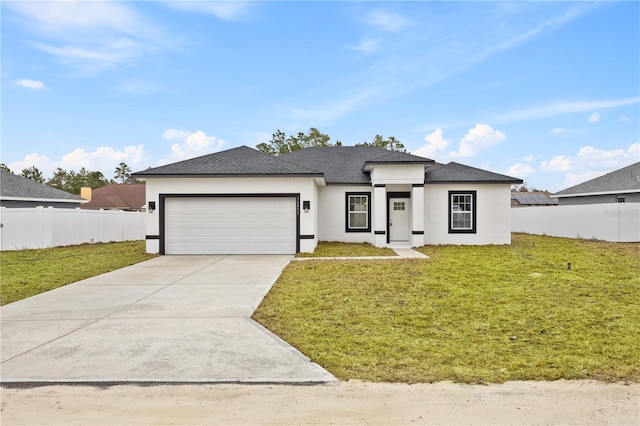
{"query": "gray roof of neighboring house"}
pixel 455 172
pixel 344 164
pixel 533 199
pixel 240 161
pixel 339 165
pixel 626 179
pixel 14 186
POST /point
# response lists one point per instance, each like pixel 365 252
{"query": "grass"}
pixel 338 249
pixel 25 273
pixel 469 314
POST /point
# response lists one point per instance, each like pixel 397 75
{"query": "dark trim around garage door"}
pixel 163 197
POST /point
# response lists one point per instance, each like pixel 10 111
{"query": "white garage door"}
pixel 216 225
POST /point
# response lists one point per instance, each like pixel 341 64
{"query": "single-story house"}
pixel 116 196
pixel 243 201
pixel 619 186
pixel 532 199
pixel 18 191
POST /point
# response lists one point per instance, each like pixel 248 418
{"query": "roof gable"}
pixel 240 161
pixel 19 187
pixel 626 179
pixel 455 172
pixel 347 164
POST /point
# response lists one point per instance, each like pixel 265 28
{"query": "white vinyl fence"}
pixel 41 227
pixel 617 222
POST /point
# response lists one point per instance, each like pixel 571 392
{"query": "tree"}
pixel 72 181
pixel 59 180
pixel 5 168
pixel 123 172
pixel 280 143
pixel 523 187
pixel 392 144
pixel 33 173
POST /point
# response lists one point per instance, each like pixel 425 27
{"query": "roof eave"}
pixel 44 200
pixel 510 182
pixel 587 194
pixel 227 175
pixel 368 165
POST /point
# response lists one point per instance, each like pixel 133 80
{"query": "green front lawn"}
pixel 470 314
pixel 25 273
pixel 338 249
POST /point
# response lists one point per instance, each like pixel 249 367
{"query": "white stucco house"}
pixel 243 201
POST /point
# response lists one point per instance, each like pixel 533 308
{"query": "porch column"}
pixel 417 215
pixel 380 215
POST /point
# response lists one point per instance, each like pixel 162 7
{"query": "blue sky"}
pixel 545 91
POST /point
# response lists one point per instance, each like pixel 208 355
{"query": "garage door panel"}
pixel 214 225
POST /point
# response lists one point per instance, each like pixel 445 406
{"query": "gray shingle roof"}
pixel 14 186
pixel 455 172
pixel 533 199
pixel 344 164
pixel 240 161
pixel 625 179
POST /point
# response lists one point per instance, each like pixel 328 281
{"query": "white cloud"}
pixel 572 179
pixel 624 119
pixel 520 170
pixel 590 162
pixel 561 108
pixel 59 17
pixel 611 159
pixel 366 46
pixel 529 158
pixel 482 136
pixel 385 21
pixel 227 10
pixel 192 144
pixel 559 163
pixel 557 131
pixel 103 159
pixel 30 84
pixel 90 36
pixel 594 118
pixel 435 143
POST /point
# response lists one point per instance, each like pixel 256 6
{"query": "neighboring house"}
pixel 243 201
pixel 116 196
pixel 17 191
pixel 532 199
pixel 620 186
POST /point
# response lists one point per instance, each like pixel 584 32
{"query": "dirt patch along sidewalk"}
pixel 354 402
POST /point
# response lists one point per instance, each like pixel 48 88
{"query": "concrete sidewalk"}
pixel 170 319
pixel 401 253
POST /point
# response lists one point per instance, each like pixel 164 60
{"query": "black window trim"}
pixel 473 212
pixel 346 219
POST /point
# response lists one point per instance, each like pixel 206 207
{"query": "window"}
pixel 398 205
pixel 462 212
pixel 358 212
pixel 620 199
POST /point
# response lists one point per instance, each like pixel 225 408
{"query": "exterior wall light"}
pixel 306 205
pixel 152 206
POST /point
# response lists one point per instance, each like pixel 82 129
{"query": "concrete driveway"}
pixel 169 319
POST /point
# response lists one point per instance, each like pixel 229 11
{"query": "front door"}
pixel 398 219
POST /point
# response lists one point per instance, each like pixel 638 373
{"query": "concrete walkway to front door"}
pixel 170 319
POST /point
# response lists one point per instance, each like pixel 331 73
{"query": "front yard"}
pixel 468 314
pixel 25 273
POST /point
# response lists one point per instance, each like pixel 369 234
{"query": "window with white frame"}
pixel 462 211
pixel 358 212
